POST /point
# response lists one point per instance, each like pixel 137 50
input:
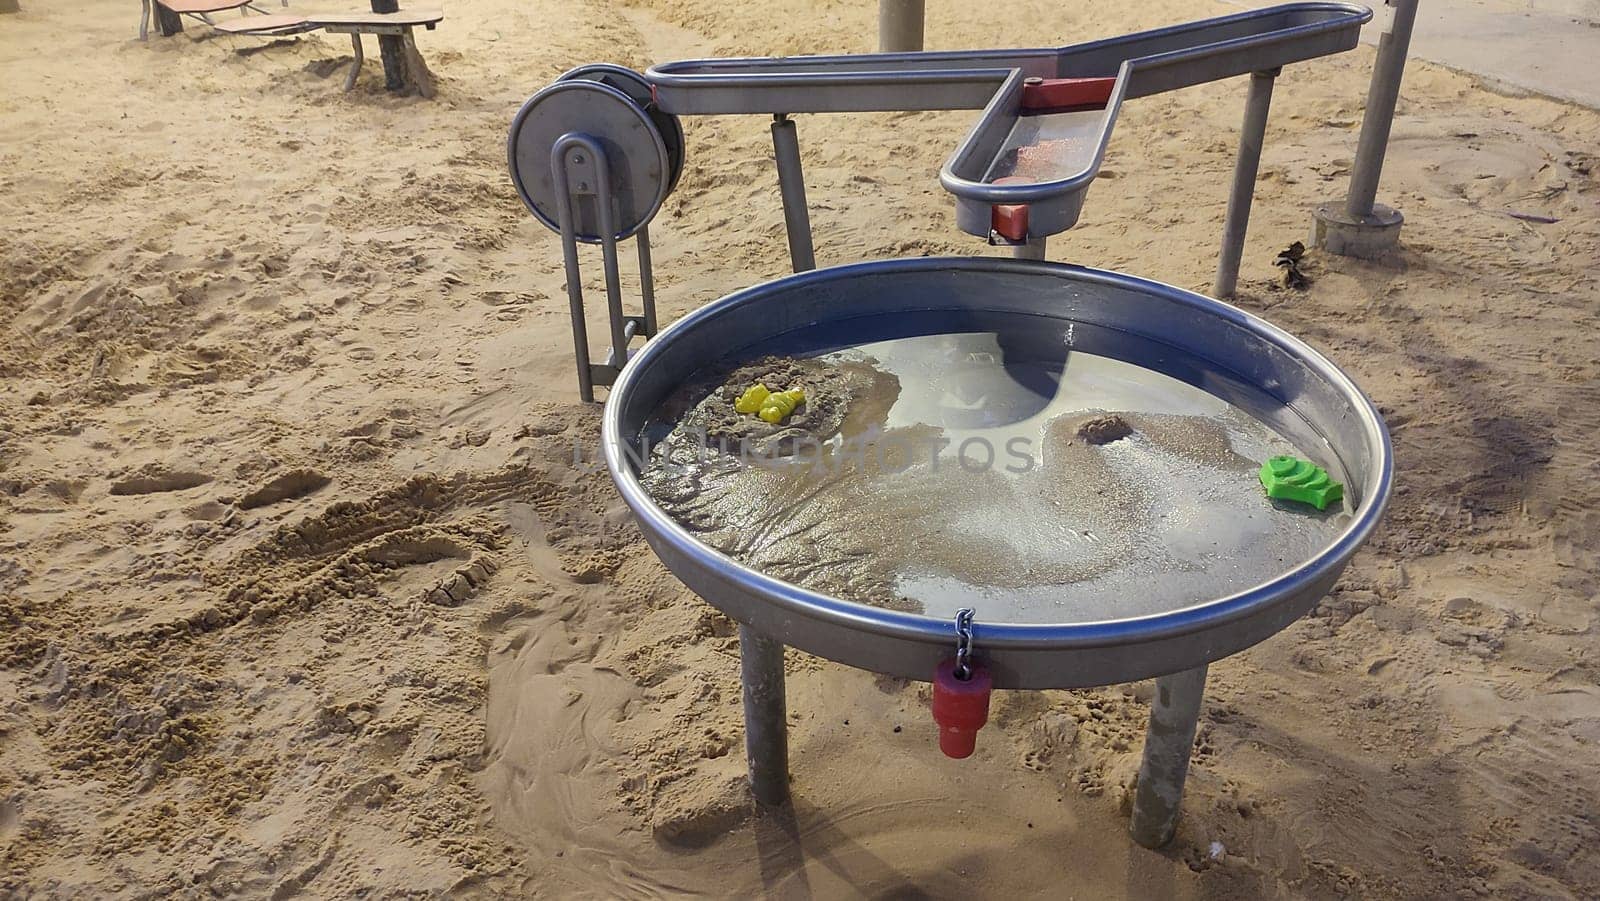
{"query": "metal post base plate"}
pixel 1368 238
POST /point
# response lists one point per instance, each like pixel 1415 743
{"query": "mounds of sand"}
pixel 1103 428
pixel 1198 439
pixel 830 388
pixel 459 587
pixel 695 813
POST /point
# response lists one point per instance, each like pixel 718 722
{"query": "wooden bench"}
pixel 402 63
pixel 169 13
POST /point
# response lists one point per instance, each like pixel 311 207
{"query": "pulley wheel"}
pixel 635 150
pixel 636 87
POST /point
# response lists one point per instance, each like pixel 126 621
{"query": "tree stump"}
pixel 167 22
pixel 392 48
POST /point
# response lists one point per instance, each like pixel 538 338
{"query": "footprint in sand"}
pixel 154 480
pixel 285 486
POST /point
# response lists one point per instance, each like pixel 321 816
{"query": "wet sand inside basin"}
pixel 944 475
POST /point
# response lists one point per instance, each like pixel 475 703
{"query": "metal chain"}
pixel 964 643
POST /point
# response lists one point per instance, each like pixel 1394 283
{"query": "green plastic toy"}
pixel 1294 479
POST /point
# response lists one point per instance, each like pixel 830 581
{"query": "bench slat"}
pixel 275 24
pixel 195 7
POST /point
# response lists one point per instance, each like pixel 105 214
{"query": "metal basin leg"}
pixel 766 738
pixel 1174 715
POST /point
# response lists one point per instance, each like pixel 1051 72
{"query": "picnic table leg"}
pixel 355 67
pixel 416 69
pixel 391 48
pixel 144 20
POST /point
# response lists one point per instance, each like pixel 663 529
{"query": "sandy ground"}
pixel 301 594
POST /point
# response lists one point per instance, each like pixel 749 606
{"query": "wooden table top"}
pixel 403 17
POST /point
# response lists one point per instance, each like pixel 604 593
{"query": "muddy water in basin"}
pixel 1039 471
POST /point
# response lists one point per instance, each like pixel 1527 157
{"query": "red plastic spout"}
pixel 1010 220
pixel 1059 95
pixel 960 707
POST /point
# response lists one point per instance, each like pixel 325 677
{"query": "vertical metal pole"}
pixel 355 67
pixel 1174 716
pixel 1251 137
pixel 1032 250
pixel 1379 116
pixel 792 185
pixel 766 732
pixel 900 25
pixel 608 255
pixel 647 280
pixel 569 252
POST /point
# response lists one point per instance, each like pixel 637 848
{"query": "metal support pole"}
pixel 1032 249
pixel 355 67
pixel 1174 716
pixel 1251 136
pixel 900 25
pixel 647 281
pixel 605 208
pixel 792 185
pixel 1359 226
pixel 1382 96
pixel 766 738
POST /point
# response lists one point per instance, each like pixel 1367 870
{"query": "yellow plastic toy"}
pixel 752 399
pixel 777 407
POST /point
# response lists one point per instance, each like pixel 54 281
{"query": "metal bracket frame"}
pixel 580 170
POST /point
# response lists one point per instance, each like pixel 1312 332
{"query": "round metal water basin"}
pixel 1020 338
